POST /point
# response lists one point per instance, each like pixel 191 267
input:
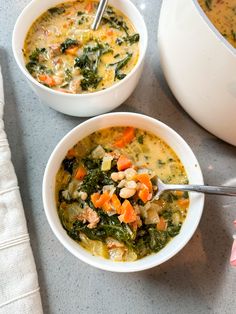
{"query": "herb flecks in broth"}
pixel 222 13
pixel 63 53
pixel 103 192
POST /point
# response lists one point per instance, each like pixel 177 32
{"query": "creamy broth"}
pixel 103 192
pixel 63 53
pixel 222 14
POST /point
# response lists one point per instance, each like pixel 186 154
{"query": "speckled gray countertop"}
pixel 197 280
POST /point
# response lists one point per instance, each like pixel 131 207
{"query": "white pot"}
pixel 199 66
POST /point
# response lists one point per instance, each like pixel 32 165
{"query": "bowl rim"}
pixel 213 29
pixel 142 53
pixel 69 243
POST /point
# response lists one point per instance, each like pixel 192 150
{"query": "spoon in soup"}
pixel 162 187
pixel 100 11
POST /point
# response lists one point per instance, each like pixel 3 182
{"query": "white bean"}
pixel 83 195
pixel 130 173
pixel 126 193
pixel 115 176
pixel 122 183
pixel 131 184
pixel 121 175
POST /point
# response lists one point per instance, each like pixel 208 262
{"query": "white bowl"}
pixel 199 65
pixel 170 137
pixel 82 105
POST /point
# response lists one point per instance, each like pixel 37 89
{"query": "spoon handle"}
pixel 222 190
pixel 99 14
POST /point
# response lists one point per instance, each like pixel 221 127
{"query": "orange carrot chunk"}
pixel 89 7
pixel 123 163
pixel 80 173
pixel 116 203
pixel 100 199
pixel 144 178
pixel 110 32
pixel 106 207
pixel 127 137
pixel 72 51
pixel 46 79
pixel 143 194
pixel 127 212
pixel 71 153
pixel 161 225
pixel 183 202
pixel 95 198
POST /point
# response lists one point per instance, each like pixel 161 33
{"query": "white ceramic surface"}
pixel 169 136
pixel 83 105
pixel 199 65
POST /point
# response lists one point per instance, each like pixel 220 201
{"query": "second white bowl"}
pixel 180 147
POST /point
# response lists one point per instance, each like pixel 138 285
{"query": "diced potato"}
pixel 98 152
pixel 130 256
pixel 152 216
pixel 106 163
pixel 116 254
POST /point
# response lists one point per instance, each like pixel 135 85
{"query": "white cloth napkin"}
pixel 19 289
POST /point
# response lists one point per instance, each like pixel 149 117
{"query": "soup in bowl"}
pixel 62 52
pixel 98 186
pixel 73 69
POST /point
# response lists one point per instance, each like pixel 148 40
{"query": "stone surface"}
pixel 197 280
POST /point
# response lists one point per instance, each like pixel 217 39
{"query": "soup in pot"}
pixel 222 13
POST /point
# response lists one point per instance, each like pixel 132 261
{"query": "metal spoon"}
pixel 99 14
pixel 219 190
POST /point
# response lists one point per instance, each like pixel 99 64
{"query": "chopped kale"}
pixel 233 33
pixel 160 162
pixel 95 180
pixel 68 75
pixel 91 79
pixel 116 23
pixel 158 239
pixel 92 163
pixel 140 139
pixel 56 10
pixel 208 4
pixel 109 10
pixel 35 67
pixel 173 230
pixel 119 41
pixel 68 164
pixel 132 39
pixel 68 43
pixel 36 53
pixel 88 63
pixel 185 194
pixel 82 20
pixel 121 64
pixel 83 62
pixel 170 197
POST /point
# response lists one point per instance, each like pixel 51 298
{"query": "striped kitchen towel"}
pixel 19 289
